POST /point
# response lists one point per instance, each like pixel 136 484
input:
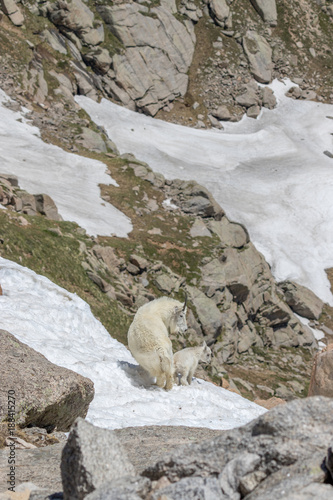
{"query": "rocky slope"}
pixel 190 63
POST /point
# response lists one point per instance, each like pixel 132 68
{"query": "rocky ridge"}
pixel 199 56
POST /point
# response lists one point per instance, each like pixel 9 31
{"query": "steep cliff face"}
pixel 149 55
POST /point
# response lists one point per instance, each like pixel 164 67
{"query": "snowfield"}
pixel 271 174
pixel 61 326
pixel 71 180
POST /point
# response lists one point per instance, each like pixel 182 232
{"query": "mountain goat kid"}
pixel 186 362
pixel 148 337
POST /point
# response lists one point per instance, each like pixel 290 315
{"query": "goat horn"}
pixel 185 303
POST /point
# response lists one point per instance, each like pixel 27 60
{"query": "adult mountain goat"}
pixel 148 337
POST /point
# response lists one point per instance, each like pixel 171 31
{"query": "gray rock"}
pixel 11 179
pixel 82 469
pixel 302 300
pixel 55 39
pixel 28 202
pixel 215 122
pixel 124 488
pixel 194 488
pixel 165 283
pixel 139 261
pixel 220 11
pixel 46 206
pixel 222 113
pixel 50 396
pixel 91 140
pixel 199 229
pixel 267 10
pixel 77 17
pixel 208 314
pixel 99 59
pixel 158 52
pixel 108 256
pixel 13 11
pixel 248 99
pixel 231 234
pixel 85 82
pixel 321 383
pixel 253 112
pixel 268 98
pixel 259 54
pixel 194 199
pixel 282 450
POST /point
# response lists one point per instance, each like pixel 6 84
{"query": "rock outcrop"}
pixel 302 300
pixel 22 202
pixel 49 396
pixel 321 383
pixel 152 70
pixel 259 54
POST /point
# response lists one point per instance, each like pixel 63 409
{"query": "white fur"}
pixel 148 337
pixel 186 362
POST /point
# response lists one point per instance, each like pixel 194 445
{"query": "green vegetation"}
pixel 58 258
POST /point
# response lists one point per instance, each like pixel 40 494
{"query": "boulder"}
pixel 231 234
pixel 46 206
pixel 220 11
pixel 321 383
pixel 91 140
pixel 253 111
pixel 281 451
pixel 268 98
pixel 302 300
pixel 82 468
pixel 108 256
pixel 99 59
pixel 77 17
pixel 222 113
pixel 259 55
pixel 267 10
pixel 13 11
pixel 152 70
pixel 49 396
pixel 192 198
pixel 248 98
pixel 28 202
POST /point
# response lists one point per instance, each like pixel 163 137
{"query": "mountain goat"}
pixel 186 362
pixel 148 337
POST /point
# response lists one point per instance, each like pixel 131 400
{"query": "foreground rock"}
pixel 285 453
pixel 47 395
pixel 283 450
pixel 91 457
pixel 321 383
